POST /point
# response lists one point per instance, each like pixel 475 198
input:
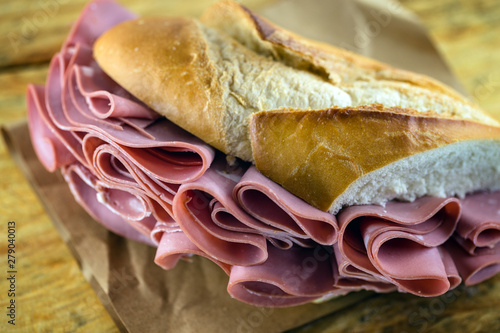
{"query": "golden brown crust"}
pixel 173 74
pixel 332 148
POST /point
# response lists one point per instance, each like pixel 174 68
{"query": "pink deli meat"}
pixel 401 243
pixel 146 179
pixel 480 224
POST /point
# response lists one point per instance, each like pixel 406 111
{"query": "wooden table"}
pixel 52 293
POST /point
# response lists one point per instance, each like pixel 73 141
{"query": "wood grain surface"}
pixel 52 293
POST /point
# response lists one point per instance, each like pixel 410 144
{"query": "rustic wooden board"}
pixel 60 299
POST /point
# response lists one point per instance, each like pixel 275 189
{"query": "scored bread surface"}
pixel 233 69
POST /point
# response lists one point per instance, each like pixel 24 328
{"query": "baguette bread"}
pixel 334 128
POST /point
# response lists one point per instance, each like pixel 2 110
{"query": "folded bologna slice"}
pixel 334 128
pixel 400 243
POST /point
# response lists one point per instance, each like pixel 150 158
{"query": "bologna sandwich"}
pixel 303 170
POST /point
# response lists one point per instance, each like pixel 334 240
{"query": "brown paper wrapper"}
pixel 142 297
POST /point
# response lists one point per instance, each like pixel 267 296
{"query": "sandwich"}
pixel 303 170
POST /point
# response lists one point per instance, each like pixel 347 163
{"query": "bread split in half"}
pixel 334 128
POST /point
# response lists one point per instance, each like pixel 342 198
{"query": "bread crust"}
pixel 332 148
pixel 164 62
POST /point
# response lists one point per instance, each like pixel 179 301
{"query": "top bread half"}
pixel 333 127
